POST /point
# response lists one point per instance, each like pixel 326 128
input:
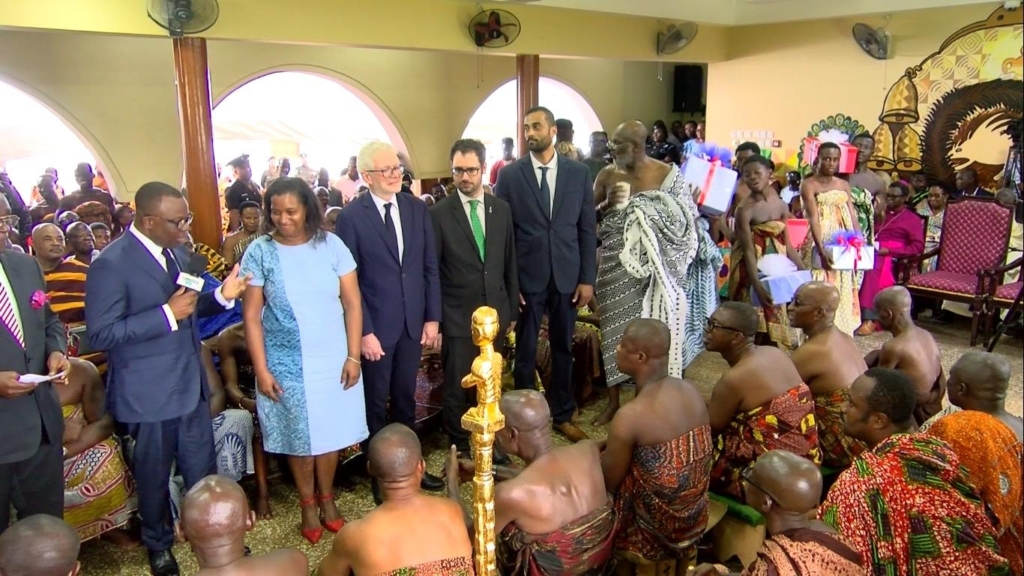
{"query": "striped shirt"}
pixel 65 285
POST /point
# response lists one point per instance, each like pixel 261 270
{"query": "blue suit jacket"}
pixel 564 245
pixel 153 373
pixel 397 296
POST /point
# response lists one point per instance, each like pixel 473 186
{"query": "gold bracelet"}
pixel 353 359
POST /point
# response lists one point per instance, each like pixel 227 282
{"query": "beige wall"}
pixel 786 77
pixel 118 92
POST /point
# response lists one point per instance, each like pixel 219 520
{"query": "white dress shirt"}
pixel 479 211
pixel 552 167
pixel 380 202
pixel 158 254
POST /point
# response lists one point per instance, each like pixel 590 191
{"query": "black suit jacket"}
pixel 564 245
pixel 24 419
pixel 467 282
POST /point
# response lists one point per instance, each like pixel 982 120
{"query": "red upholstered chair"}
pixel 1001 296
pixel 975 234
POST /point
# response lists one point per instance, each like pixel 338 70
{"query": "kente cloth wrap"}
pixel 768 238
pixel 581 548
pixel 662 504
pixel 785 422
pixel 646 251
pixel 449 567
pixel 837 449
pixel 991 453
pixel 99 494
pixel 908 508
pixel 834 216
pixel 805 552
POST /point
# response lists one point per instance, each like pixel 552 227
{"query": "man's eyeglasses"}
pixel 10 221
pixel 180 223
pixel 745 476
pixel 460 172
pixel 713 325
pixel 390 172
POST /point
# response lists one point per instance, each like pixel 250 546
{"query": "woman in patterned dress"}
pixel 303 328
pixel 934 209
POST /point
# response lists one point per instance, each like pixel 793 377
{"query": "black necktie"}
pixel 389 226
pixel 172 265
pixel 545 191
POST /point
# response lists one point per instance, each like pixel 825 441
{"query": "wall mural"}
pixel 951 111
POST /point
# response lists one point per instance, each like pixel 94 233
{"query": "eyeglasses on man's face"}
pixel 460 172
pixel 713 325
pixel 389 172
pixel 180 223
pixel 11 221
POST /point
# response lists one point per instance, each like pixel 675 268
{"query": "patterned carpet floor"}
pixel 100 558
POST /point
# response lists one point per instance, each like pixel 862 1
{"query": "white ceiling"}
pixel 748 12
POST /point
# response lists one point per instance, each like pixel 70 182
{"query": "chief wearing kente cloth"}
pixel 410 533
pixel 987 440
pixel 759 404
pixel 649 239
pixel 907 505
pixel 658 458
pixel 761 231
pixel 786 489
pixel 65 279
pixel 554 516
pixel 828 361
pixel 829 209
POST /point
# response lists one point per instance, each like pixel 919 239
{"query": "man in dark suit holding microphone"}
pixel 141 302
pixel 476 259
pixel 32 342
pixel 552 200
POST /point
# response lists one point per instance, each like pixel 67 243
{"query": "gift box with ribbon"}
pixel 847 154
pixel 717 184
pixel 780 277
pixel 849 251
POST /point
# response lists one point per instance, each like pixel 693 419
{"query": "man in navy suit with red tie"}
pixel 391 238
pixel 555 222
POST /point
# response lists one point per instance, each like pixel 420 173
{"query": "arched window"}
pixel 34 139
pixel 285 114
pixel 497 116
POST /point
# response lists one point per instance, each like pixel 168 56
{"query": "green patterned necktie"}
pixel 478 228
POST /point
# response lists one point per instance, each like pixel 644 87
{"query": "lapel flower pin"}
pixel 38 299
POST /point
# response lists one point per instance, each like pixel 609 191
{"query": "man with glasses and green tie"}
pixel 477 265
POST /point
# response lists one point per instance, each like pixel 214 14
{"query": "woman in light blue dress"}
pixel 303 327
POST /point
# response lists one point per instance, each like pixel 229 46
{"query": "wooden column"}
pixel 192 78
pixel 528 79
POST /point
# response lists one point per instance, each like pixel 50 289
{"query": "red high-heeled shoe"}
pixel 333 525
pixel 313 535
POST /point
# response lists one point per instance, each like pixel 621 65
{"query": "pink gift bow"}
pixel 38 299
pixel 850 241
pixel 707 182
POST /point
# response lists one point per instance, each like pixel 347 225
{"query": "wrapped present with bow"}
pixel 847 154
pixel 717 184
pixel 849 251
pixel 780 277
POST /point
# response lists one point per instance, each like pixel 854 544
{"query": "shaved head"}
pixel 895 299
pixel 632 131
pixel 650 336
pixel 525 410
pixel 395 453
pixel 42 229
pixel 794 482
pixel 984 374
pixel 214 512
pixel 820 294
pixel 39 546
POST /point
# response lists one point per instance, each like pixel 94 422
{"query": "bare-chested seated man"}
pixel 554 516
pixel 828 361
pixel 39 545
pixel 787 489
pixel 912 351
pixel 657 458
pixel 410 533
pixel 215 516
pixel 761 403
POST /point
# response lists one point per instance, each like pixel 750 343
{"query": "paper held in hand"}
pixel 39 379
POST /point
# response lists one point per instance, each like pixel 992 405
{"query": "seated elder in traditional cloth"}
pixel 215 518
pixel 899 234
pixel 912 351
pixel 554 516
pixel 410 533
pixel 906 505
pixel 761 231
pixel 786 489
pixel 649 239
pixel 759 404
pixel 987 440
pixel 828 361
pixel 99 495
pixel 39 545
pixel 935 211
pixel 658 458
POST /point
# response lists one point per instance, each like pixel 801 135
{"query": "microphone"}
pixel 190 277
